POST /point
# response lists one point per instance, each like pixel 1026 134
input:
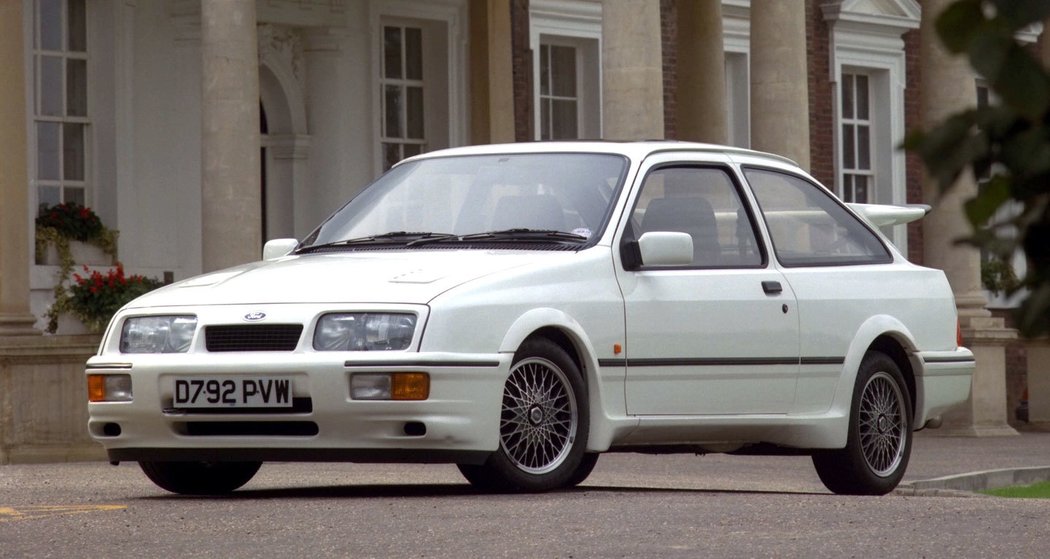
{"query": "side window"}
pixel 810 228
pixel 706 204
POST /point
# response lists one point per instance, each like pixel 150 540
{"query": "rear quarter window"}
pixel 808 226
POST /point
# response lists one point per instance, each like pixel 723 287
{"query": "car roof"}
pixel 633 150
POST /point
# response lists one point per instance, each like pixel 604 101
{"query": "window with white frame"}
pixel 402 85
pixel 868 68
pixel 60 104
pixel 565 36
pixel 559 100
pixel 858 176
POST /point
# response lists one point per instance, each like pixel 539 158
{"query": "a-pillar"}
pixel 632 70
pixel 700 97
pixel 491 81
pixel 15 318
pixel 948 87
pixel 779 89
pixel 230 182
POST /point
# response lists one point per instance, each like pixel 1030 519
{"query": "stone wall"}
pixel 43 399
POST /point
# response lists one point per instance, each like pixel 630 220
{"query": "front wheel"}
pixel 544 420
pixel 880 433
pixel 200 478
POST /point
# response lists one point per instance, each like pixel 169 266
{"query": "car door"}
pixel 718 335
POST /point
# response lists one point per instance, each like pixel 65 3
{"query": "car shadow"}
pixel 448 490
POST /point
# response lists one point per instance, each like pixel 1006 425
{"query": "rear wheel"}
pixel 880 433
pixel 543 425
pixel 200 478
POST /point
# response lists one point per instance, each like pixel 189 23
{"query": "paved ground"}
pixel 632 506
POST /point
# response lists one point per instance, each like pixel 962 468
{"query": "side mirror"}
pixel 277 248
pixel 666 248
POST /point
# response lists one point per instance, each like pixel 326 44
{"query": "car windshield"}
pixel 567 196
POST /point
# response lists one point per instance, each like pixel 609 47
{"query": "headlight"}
pixel 157 334
pixel 364 331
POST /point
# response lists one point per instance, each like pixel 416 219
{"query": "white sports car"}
pixel 519 309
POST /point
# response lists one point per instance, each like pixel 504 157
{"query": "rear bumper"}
pixel 946 379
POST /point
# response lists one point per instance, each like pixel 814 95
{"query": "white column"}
pixel 700 97
pixel 632 70
pixel 779 88
pixel 948 86
pixel 230 182
pixel 15 318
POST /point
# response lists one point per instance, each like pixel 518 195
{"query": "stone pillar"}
pixel 948 86
pixel 700 98
pixel 230 189
pixel 779 79
pixel 15 318
pixel 491 77
pixel 632 70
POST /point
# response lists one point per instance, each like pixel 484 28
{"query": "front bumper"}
pixel 459 422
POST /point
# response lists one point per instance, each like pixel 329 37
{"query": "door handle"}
pixel 772 287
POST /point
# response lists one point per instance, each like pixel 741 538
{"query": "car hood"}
pixel 350 277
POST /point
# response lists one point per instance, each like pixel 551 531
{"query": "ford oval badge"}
pixel 253 316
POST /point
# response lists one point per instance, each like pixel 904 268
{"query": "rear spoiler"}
pixel 881 215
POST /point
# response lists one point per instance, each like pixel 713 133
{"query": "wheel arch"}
pixel 564 331
pixel 899 350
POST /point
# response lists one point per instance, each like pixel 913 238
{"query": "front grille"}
pixel 252 337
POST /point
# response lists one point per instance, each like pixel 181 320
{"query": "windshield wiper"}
pixel 525 234
pixel 405 238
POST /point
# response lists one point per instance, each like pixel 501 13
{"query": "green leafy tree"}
pixel 1007 141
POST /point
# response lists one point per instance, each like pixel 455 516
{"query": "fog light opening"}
pixel 111 430
pixel 415 429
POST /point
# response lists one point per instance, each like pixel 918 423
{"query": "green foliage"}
pixel 1039 490
pixel 71 220
pixel 1010 140
pixel 95 297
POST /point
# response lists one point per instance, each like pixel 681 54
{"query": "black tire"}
pixel 880 433
pixel 587 463
pixel 544 423
pixel 200 478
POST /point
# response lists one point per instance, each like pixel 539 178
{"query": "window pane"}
pixel 77 26
pixel 392 52
pixel 847 95
pixel 545 70
pixel 50 24
pixel 563 120
pixel 73 194
pixel 847 188
pixel 415 112
pixel 392 112
pixel 808 227
pixel 412 149
pixel 50 102
pixel 563 71
pixel 862 98
pixel 47 167
pixel 849 160
pixel 864 147
pixel 860 184
pixel 76 87
pixel 73 151
pixel 391 155
pixel 48 196
pixel 414 53
pixel 545 119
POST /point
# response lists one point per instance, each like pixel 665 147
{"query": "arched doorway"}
pixel 284 150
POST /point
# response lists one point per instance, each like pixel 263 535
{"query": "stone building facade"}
pixel 201 128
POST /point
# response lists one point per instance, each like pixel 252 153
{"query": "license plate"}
pixel 233 392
